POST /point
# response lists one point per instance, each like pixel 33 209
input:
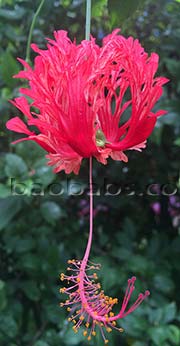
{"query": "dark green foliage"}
pixel 42 221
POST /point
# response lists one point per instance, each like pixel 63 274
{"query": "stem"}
pixel 88 19
pixel 88 248
pixel 31 30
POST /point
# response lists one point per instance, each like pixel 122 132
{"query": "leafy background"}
pixel 136 232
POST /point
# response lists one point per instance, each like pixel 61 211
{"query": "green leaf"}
pixel 134 325
pixel 173 67
pixel 31 290
pixel 66 3
pixel 177 142
pixel 164 314
pixel 15 166
pixel 158 335
pixel 139 343
pixel 41 343
pixel 16 14
pixel 163 283
pixel 169 312
pixel 24 245
pixel 98 7
pixel 3 300
pixel 71 339
pixel 53 314
pixel 9 207
pixel 155 316
pixel 8 325
pixel 51 211
pixel 120 11
pixel 174 334
pixel 4 191
pixel 9 67
pixel 44 172
pixel 138 263
pixel 30 262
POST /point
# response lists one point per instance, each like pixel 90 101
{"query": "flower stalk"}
pixel 31 30
pixel 88 19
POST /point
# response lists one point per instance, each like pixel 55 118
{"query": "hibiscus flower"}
pixel 90 101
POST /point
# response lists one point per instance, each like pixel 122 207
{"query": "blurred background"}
pixel 44 217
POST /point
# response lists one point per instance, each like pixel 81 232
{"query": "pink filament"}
pixel 131 281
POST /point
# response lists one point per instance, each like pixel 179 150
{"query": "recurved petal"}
pixel 17 125
pixel 135 136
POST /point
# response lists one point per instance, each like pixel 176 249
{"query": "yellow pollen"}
pixel 89 338
pixel 111 314
pixel 78 280
pixel 74 321
pixel 106 341
pixel 85 332
pixel 114 323
pixel 81 318
pixel 87 325
pixel 69 319
pixel 68 309
pixel 109 330
pixel 61 305
pixel 62 290
pixel 62 277
pixel 93 333
pixel 121 330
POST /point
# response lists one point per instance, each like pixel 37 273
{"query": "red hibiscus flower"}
pixel 91 100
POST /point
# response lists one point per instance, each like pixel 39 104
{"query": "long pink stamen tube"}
pixel 87 303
